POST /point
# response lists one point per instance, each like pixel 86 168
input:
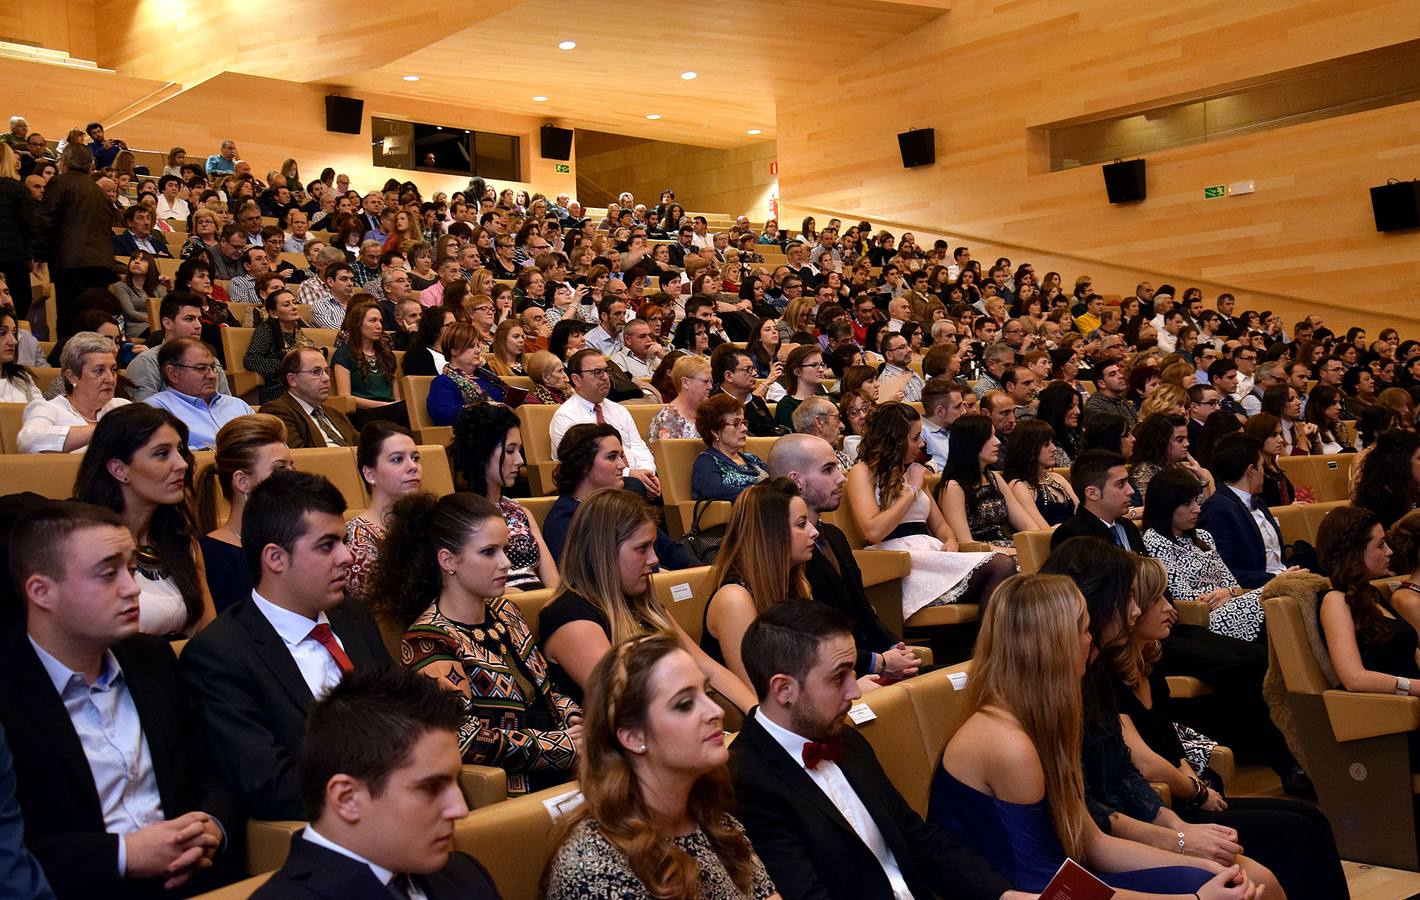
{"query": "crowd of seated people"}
pixel 916 403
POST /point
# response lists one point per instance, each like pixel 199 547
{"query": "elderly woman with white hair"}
pixel 89 366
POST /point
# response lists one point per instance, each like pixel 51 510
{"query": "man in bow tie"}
pixel 817 805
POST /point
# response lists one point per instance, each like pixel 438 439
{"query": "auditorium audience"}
pixel 656 815
pixel 89 368
pixel 605 596
pixel 390 467
pixel 440 584
pixel 138 465
pixel 248 449
pixel 487 453
pixel 256 670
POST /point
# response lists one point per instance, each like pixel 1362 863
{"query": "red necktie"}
pixel 326 637
pixel 597 408
pixel 816 752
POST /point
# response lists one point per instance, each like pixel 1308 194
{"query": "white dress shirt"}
pixel 830 779
pixel 19 390
pixel 577 411
pixel 47 424
pixel 383 875
pixel 111 735
pixel 318 668
pixel 1271 542
pixel 178 209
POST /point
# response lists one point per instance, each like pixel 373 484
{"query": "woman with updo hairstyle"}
pixel 889 503
pixel 138 465
pixel 655 821
pixel 440 582
pixel 605 597
pixel 389 465
pixel 249 448
pixel 487 452
pixel 1389 483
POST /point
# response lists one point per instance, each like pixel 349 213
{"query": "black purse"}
pixel 704 542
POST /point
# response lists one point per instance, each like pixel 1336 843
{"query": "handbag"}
pixel 704 542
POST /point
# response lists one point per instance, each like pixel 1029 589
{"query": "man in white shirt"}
pixel 640 352
pixel 943 404
pixel 170 206
pixel 611 318
pixel 894 372
pixel 591 382
pixel 1174 320
pixel 1246 358
pixel 801 773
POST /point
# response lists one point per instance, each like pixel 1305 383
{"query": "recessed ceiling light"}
pixel 654 116
pixel 689 76
pixel 567 45
pixel 539 99
pixel 411 78
pixel 754 131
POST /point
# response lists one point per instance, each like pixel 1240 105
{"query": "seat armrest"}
pixel 1192 612
pixel 483 785
pixel 269 842
pixel 1221 761
pixel 974 547
pixel 882 566
pixel 923 654
pixel 1182 687
pixel 1357 716
pixel 1165 795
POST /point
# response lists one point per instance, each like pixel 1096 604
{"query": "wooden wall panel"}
pixel 728 181
pixel 56 98
pixel 988 72
pixel 271 120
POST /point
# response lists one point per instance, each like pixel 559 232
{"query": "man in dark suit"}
pixel 833 573
pixel 1101 481
pixel 1202 403
pixel 19 870
pixel 140 234
pixel 1248 537
pixel 257 669
pixel 106 746
pixel 732 372
pixel 378 771
pixel 813 798
pixel 309 421
pixel 73 233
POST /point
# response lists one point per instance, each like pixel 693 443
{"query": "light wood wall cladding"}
pixel 988 72
pixel 56 98
pixel 732 181
pixel 629 57
pixel 64 25
pixel 271 120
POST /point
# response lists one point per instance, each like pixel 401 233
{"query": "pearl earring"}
pixel 641 749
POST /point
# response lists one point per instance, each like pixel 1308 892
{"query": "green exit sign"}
pixel 562 169
pixel 1214 191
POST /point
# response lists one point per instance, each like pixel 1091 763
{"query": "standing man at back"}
pixel 74 234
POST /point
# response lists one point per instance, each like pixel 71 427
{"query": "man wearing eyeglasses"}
pixel 309 421
pixel 591 382
pixel 1202 403
pixel 179 316
pixel 190 374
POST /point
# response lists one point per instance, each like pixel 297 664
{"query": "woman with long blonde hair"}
pixel 605 596
pixel 1010 782
pixel 655 821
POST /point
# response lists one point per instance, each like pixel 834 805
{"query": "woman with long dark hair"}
pixel 140 282
pixel 364 366
pixel 138 465
pixel 389 463
pixel 1277 488
pixel 1283 401
pixel 1030 454
pixel 1059 405
pixel 974 497
pixel 273 339
pixel 17 385
pixel 1389 484
pixel 441 582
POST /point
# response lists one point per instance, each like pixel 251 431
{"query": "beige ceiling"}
pixel 630 56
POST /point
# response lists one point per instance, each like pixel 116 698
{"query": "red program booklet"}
pixel 1072 882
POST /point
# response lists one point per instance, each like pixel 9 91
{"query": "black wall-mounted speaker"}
pixel 556 142
pixel 1124 181
pixel 1396 206
pixel 918 146
pixel 343 114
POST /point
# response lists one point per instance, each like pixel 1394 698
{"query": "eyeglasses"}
pixel 482 307
pixel 208 369
pixel 319 373
pixel 593 373
pixel 744 370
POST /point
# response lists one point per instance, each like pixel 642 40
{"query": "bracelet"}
pixel 1402 686
pixel 1180 842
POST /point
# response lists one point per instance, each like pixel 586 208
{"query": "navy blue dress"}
pixel 228 578
pixel 1019 841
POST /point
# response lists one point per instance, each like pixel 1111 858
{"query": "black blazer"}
pixel 64 823
pixel 842 588
pixel 1086 524
pixel 810 849
pixel 124 244
pixel 252 700
pixel 1234 531
pixel 312 871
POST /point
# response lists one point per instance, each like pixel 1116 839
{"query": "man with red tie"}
pixel 817 805
pixel 258 668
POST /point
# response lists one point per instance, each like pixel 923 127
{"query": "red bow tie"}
pixel 816 752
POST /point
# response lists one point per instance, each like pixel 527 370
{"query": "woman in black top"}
pixel 425 355
pixel 273 339
pixel 1388 485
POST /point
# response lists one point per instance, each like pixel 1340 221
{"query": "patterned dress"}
pixel 1195 570
pixel 522 550
pixel 588 865
pixel 364 537
pixel 667 423
pixel 514 718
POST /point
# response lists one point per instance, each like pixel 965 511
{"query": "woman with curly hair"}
pixel 656 818
pixel 1164 398
pixel 487 452
pixel 441 582
pixel 893 510
pixel 1161 440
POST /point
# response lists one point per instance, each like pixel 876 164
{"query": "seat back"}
pixel 896 738
pixel 513 839
pixel 538 507
pixel 337 464
pixel 1326 474
pixel 1315 512
pixel 415 391
pixel 1032 549
pixel 235 342
pixel 438 475
pixel 760 446
pixel 674 460
pixel 937 703
pixel 44 375
pixel 530 603
pixel 536 422
pixel 642 414
pixel 47 474
pixel 1287 638
pixel 12 419
pixel 843 518
pixel 684 594
pixel 1292 519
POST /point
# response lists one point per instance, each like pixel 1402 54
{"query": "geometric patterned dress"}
pixel 513 715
